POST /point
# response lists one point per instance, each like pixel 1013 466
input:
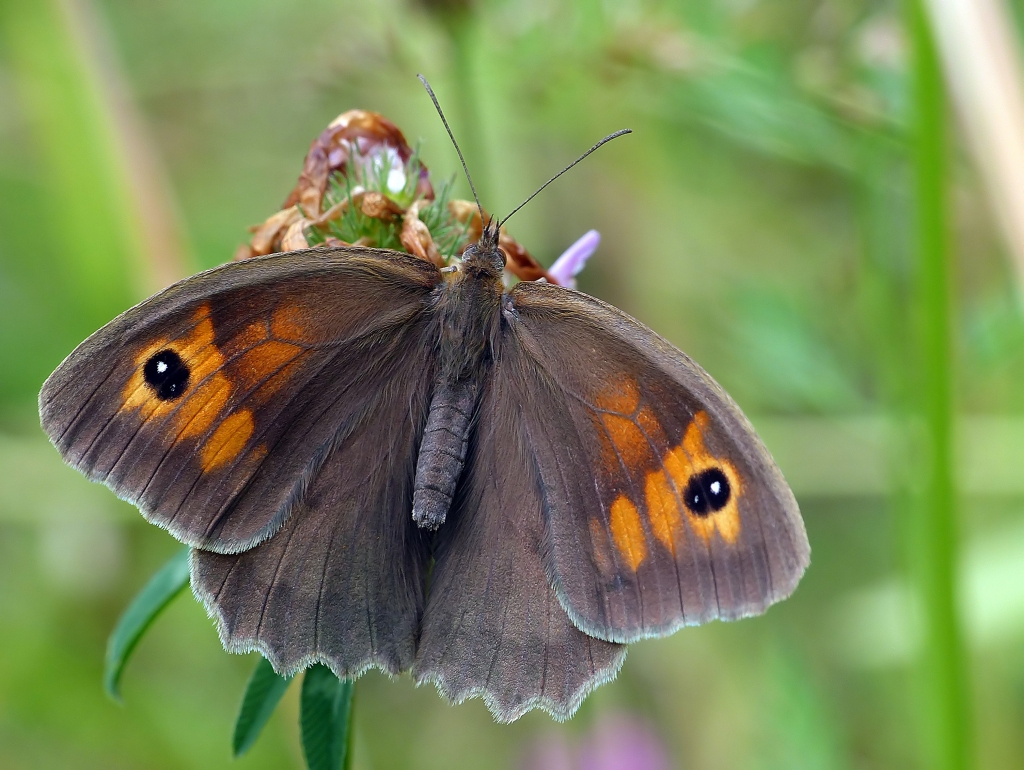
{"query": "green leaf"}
pixel 325 717
pixel 150 602
pixel 262 694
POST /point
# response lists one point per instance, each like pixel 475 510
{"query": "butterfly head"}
pixel 485 253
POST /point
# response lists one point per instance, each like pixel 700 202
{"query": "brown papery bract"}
pixel 366 131
pixel 358 137
pixel 416 237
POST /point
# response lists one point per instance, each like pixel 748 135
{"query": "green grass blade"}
pixel 262 693
pixel 148 603
pixel 71 125
pixel 325 717
pixel 942 698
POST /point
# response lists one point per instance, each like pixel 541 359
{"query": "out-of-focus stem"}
pixel 118 219
pixel 77 153
pixel 460 26
pixel 982 60
pixel 159 244
pixel 932 531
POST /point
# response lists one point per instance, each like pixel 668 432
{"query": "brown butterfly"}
pixel 380 464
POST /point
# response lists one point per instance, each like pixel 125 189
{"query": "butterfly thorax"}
pixel 466 314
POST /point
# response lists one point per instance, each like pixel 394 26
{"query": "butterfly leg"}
pixel 443 451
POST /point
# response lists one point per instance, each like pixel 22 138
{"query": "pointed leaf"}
pixel 147 604
pixel 262 694
pixel 325 717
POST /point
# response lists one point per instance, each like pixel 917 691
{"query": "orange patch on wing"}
pixel 267 389
pixel 208 388
pixel 207 394
pixel 622 397
pixel 629 442
pixel 649 424
pixel 227 441
pixel 693 457
pixel 678 467
pixel 662 509
pixel 202 406
pixel 629 428
pixel 693 441
pixel 251 336
pixel 264 361
pixel 628 532
pixel 290 322
pixel 664 491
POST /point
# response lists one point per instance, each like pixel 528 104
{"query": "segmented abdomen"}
pixel 443 451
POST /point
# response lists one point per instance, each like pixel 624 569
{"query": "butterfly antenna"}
pixel 607 139
pixel 465 168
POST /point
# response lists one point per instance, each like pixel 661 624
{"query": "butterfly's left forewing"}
pixel 662 506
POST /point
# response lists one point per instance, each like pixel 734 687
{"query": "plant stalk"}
pixel 942 697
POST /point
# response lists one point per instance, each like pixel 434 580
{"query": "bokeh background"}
pixel 822 203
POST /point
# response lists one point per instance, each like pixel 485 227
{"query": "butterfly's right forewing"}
pixel 211 404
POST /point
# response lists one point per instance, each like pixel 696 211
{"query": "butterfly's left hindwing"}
pixel 211 405
pixel 662 506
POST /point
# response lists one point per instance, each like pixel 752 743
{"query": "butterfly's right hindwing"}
pixel 343 582
pixel 663 508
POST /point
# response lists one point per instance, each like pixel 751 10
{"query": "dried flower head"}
pixel 363 184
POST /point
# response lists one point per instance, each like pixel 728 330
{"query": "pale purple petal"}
pixel 622 743
pixel 572 261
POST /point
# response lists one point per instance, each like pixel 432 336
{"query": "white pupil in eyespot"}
pixel 161 367
pixel 716 487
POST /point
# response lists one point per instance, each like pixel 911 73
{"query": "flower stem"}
pixel 460 26
pixel 932 532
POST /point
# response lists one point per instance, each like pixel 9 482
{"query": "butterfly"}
pixel 383 463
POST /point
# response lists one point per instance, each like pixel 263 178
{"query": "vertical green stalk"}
pixel 932 531
pixel 458 18
pixel 77 147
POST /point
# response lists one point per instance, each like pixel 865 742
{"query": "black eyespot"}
pixel 707 492
pixel 167 374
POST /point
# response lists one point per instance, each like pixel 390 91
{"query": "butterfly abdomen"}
pixel 443 451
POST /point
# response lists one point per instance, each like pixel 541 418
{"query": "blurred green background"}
pixel 803 207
